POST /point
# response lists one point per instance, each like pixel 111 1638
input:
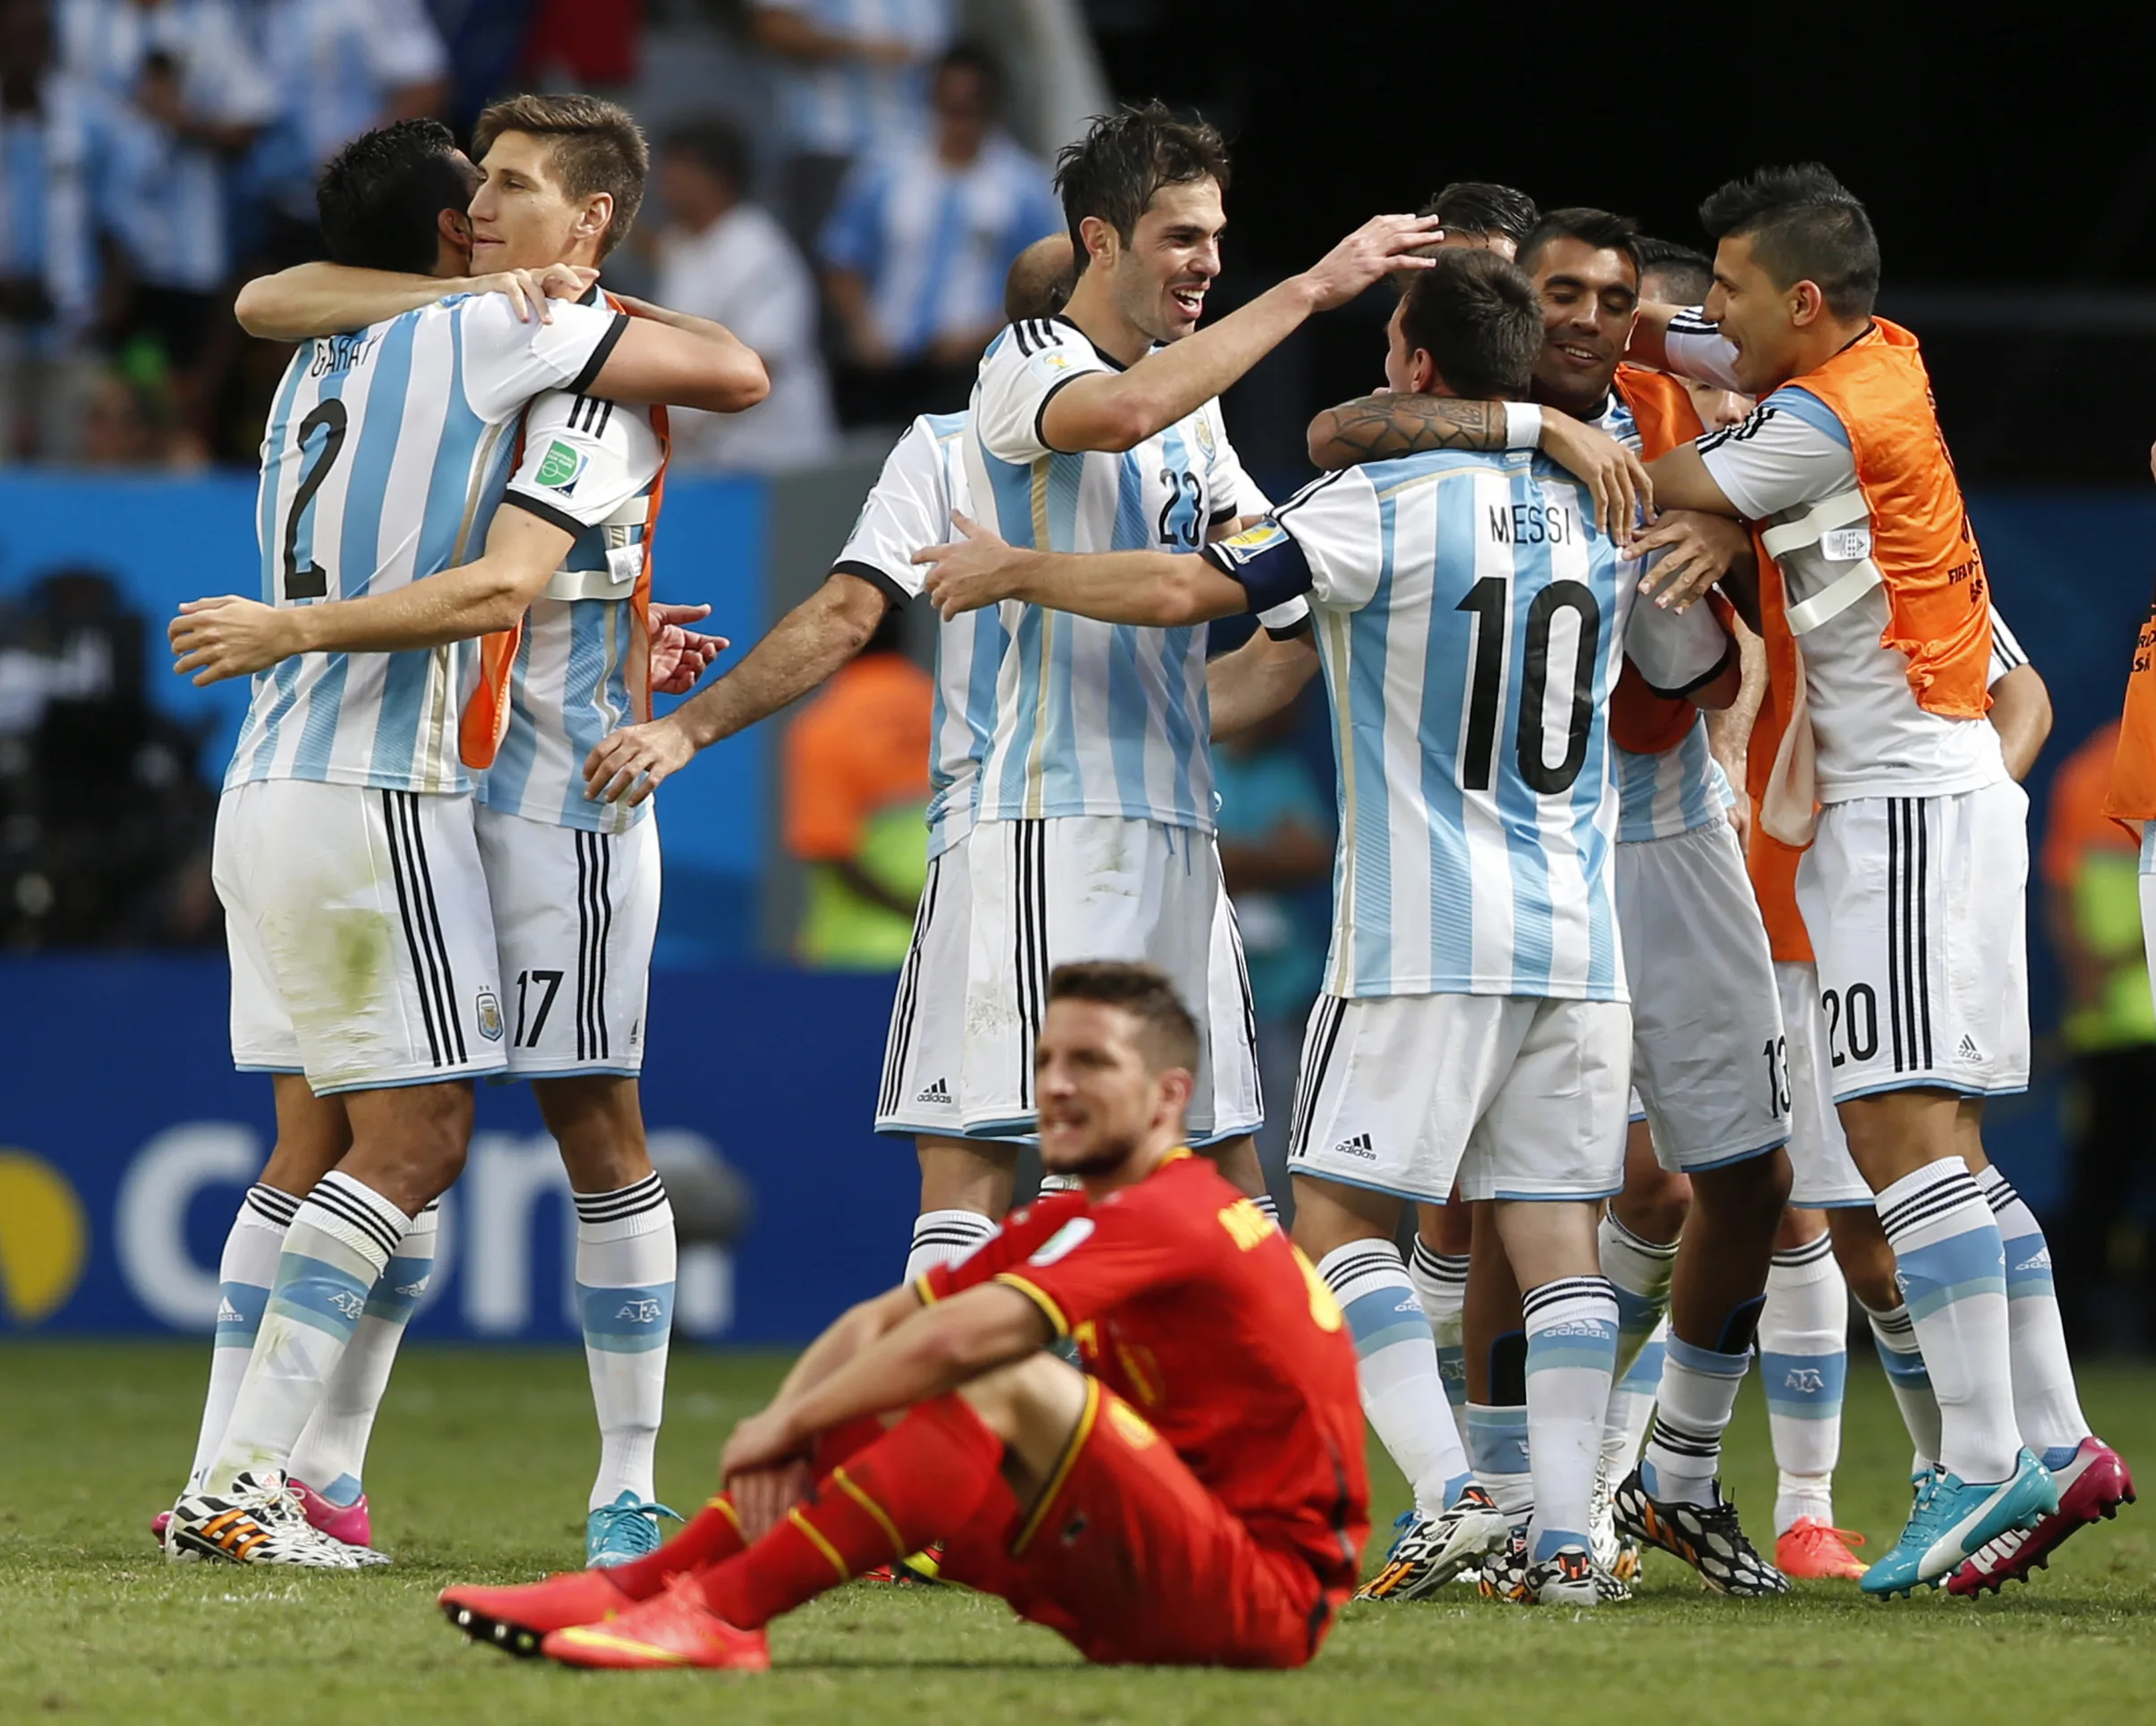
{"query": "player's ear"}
pixel 1423 375
pixel 1102 242
pixel 596 216
pixel 1807 304
pixel 453 237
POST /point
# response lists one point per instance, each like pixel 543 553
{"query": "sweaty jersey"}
pixel 1471 621
pixel 386 453
pixel 1094 718
pixel 1872 738
pixel 1189 1303
pixel 922 481
pixel 1679 788
pixel 591 468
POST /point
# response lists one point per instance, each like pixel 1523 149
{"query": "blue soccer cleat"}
pixel 1952 1519
pixel 628 1528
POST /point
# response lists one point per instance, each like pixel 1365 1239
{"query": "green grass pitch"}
pixel 479 1472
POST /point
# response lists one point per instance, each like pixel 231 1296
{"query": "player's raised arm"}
pixel 681 361
pixel 1120 410
pixel 324 298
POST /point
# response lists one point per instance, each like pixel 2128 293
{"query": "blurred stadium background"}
pixel 149 163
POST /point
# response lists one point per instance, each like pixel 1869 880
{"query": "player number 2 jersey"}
pixel 1470 622
pixel 387 452
pixel 591 468
pixel 1094 718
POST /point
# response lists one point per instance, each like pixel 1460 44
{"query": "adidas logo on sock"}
pixel 1969 1051
pixel 937 1092
pixel 1358 1147
pixel 228 1314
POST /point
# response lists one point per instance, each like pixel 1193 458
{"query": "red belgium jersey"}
pixel 1190 1303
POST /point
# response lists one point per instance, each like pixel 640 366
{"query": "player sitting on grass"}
pixel 1195 1496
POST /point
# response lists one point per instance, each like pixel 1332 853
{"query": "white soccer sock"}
pixel 1497 1436
pixel 1632 1407
pixel 2046 1406
pixel 244 1274
pixel 1572 1345
pixel 331 1456
pixel 944 1238
pixel 1396 1367
pixel 1692 1406
pixel 1952 1266
pixel 1894 1333
pixel 1440 1280
pixel 1640 1272
pixel 1804 1368
pixel 625 1287
pixel 1264 1202
pixel 341 1238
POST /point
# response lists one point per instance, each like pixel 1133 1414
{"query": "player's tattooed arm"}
pixel 1380 428
pixel 323 299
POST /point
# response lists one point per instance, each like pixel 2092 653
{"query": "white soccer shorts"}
pixel 1072 888
pixel 360 939
pixel 1514 1097
pixel 574 917
pixel 1917 908
pixel 1707 1024
pixel 1823 1177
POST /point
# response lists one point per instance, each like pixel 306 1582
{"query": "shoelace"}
pixel 1848 1537
pixel 636 1515
pixel 1928 1515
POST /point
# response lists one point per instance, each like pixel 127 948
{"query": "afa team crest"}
pixel 489 1016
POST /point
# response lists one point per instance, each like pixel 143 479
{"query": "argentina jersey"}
pixel 922 481
pixel 386 451
pixel 1676 790
pixel 1094 718
pixel 592 469
pixel 1471 623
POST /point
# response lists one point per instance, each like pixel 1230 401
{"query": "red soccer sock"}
pixel 925 1477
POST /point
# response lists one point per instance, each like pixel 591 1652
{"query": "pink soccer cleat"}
pixel 2090 1487
pixel 346 1522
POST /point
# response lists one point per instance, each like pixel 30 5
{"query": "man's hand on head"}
pixel 1375 250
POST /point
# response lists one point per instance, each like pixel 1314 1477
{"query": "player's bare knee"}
pixel 408 1143
pixel 1655 1205
pixel 1446 1228
pixel 597 1120
pixel 1799 1228
pixel 1749 1196
pixel 1329 1214
pixel 1861 1248
pixel 975 1175
pixel 1237 1161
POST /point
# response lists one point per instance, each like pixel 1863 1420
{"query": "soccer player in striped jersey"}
pixel 1913 878
pixel 311 873
pixel 1476 976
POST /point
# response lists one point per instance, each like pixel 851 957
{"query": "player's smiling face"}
pixel 521 216
pixel 1099 1099
pixel 1589 298
pixel 1161 278
pixel 1754 315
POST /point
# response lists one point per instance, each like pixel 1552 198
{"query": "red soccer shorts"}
pixel 1133 1562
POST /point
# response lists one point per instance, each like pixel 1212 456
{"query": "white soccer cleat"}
pixel 259 1521
pixel 1430 1551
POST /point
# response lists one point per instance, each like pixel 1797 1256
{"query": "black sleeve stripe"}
pixel 1728 658
pixel 583 379
pixel 1225 513
pixel 1039 417
pixel 553 514
pixel 1303 626
pixel 892 592
pixel 1025 341
pixel 1280 512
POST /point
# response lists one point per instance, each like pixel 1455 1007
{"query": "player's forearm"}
pixel 1729 728
pixel 853 1330
pixel 322 299
pixel 1382 427
pixel 934 1351
pixel 1247 686
pixel 734 375
pixel 456 606
pixel 2021 712
pixel 1648 345
pixel 804 648
pixel 1159 590
pixel 1174 382
pixel 1682 482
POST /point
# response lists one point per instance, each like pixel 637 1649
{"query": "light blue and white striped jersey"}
pixel 56 194
pixel 386 453
pixel 589 467
pixel 1471 621
pixel 844 107
pixel 934 242
pixel 170 192
pixel 923 480
pixel 1680 788
pixel 1095 718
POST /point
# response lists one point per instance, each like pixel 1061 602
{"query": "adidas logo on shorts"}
pixel 937 1092
pixel 1358 1147
pixel 1969 1051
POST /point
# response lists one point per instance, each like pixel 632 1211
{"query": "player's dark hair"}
pixel 1598 228
pixel 1124 159
pixel 593 145
pixel 970 55
pixel 1686 273
pixel 380 199
pixel 1480 321
pixel 1485 207
pixel 1804 226
pixel 1170 1036
pixel 1039 282
pixel 716 146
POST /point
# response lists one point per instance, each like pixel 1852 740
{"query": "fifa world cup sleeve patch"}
pixel 1266 560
